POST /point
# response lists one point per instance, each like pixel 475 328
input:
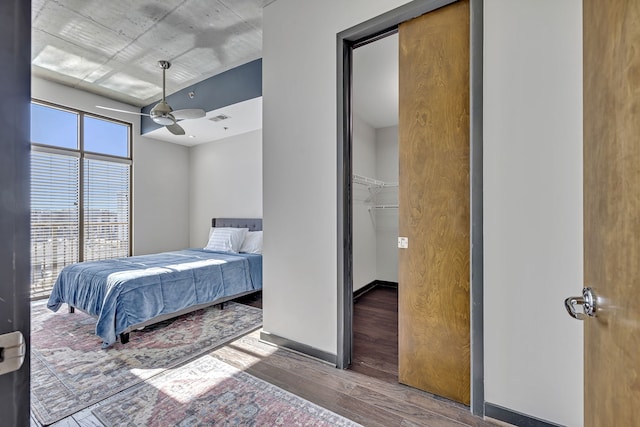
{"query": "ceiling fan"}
pixel 162 113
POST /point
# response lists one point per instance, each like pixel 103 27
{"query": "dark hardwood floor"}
pixel 375 334
pixel 361 398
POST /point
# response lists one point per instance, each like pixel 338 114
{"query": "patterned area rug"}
pixel 69 370
pixel 208 392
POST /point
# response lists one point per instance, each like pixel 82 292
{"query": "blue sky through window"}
pixel 59 128
pixel 105 137
pixel 51 126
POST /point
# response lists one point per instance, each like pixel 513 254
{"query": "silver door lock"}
pixel 587 301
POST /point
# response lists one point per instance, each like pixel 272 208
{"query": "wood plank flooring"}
pixel 375 334
pixel 364 399
pixel 371 400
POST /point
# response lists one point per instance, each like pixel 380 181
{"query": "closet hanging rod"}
pixel 384 207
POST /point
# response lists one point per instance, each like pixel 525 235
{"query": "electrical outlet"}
pixel 403 242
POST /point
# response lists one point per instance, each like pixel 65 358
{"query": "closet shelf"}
pixel 375 188
pixel 372 182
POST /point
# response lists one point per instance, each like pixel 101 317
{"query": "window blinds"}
pixel 54 217
pixel 106 209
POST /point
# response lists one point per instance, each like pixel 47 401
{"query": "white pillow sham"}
pixel 226 239
pixel 252 243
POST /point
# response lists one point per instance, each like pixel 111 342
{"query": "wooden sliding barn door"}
pixel 434 316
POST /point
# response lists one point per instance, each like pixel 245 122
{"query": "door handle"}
pixel 12 352
pixel 587 301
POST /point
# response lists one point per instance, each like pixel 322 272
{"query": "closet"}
pixel 375 163
pixel 375 207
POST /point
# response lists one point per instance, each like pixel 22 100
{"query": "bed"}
pixel 126 294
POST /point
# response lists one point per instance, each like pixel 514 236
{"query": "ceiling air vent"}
pixel 219 118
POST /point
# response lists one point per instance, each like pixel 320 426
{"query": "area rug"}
pixel 69 370
pixel 208 392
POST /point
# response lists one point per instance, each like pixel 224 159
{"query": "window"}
pixel 80 191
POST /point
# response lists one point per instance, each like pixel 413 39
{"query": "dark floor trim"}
pixel 513 417
pixel 363 290
pixel 298 347
pixel 387 284
pixel 371 286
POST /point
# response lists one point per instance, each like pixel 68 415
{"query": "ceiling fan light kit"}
pixel 163 120
pixel 163 114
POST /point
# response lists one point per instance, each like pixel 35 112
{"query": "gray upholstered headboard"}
pixel 253 224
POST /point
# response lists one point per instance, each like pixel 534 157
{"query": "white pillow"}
pixel 226 239
pixel 252 243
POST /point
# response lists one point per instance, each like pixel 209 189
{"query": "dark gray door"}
pixel 15 68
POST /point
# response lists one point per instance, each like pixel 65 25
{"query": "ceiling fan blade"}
pixel 175 129
pixel 190 113
pixel 121 111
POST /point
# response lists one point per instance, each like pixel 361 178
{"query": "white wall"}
pixel 387 219
pixel 160 196
pixel 225 181
pixel 533 206
pixel 160 173
pixel 300 196
pixel 364 227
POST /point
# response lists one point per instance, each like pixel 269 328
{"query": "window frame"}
pixel 83 155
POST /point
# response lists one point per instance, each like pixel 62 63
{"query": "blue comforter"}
pixel 124 292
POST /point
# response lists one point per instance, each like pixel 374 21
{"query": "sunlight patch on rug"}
pixel 208 391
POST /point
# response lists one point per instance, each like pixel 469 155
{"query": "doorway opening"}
pixel 374 207
pixel 347 42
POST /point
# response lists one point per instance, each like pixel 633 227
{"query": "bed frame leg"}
pixel 124 338
pixel 72 309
